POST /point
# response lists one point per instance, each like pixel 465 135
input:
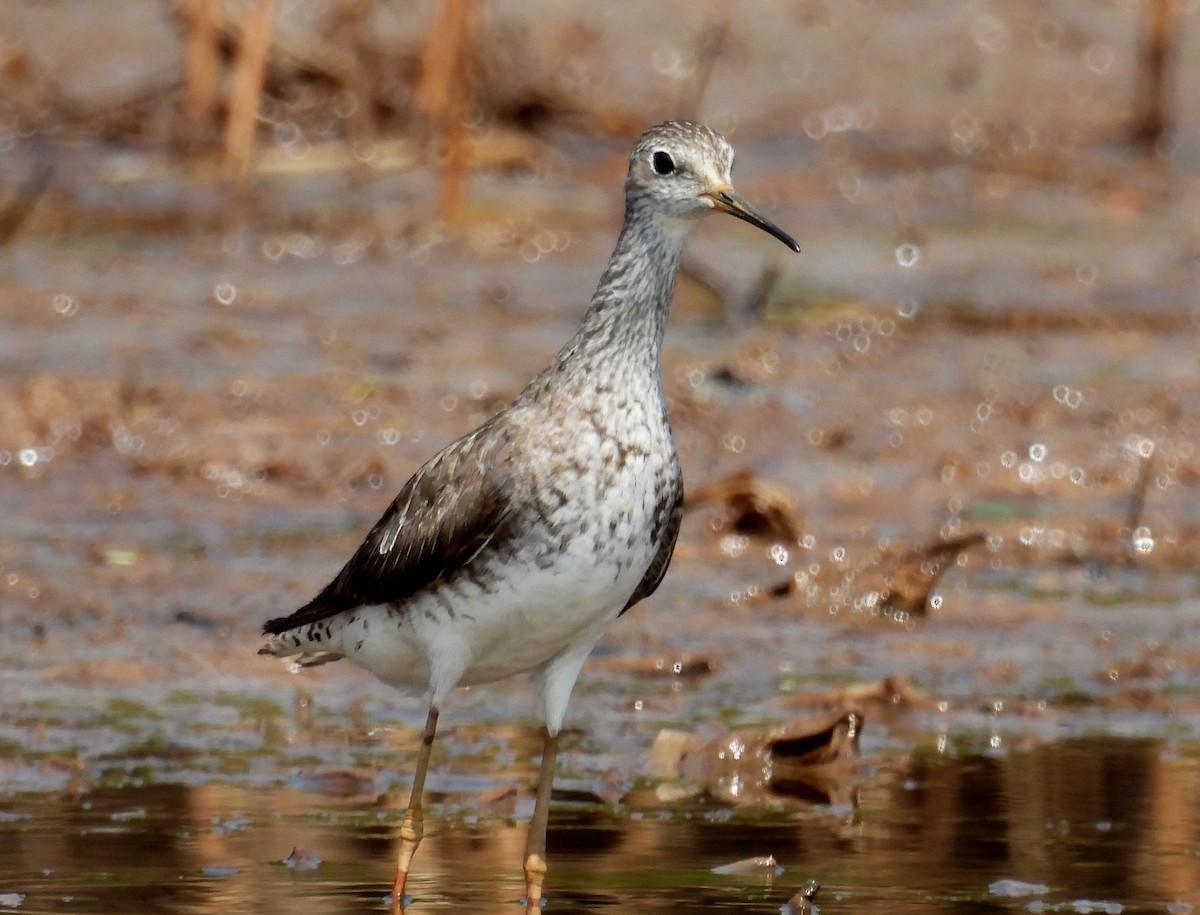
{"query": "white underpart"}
pixel 543 621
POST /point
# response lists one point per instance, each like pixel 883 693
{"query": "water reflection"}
pixel 1098 821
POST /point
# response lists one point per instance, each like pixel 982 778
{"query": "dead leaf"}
pixel 744 765
pixel 756 507
pixel 908 586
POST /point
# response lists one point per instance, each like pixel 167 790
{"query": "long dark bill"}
pixel 734 204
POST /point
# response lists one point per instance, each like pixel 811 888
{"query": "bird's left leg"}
pixel 535 845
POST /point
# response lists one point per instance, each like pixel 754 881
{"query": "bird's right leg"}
pixel 413 827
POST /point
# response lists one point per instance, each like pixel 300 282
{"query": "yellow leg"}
pixel 535 846
pixel 413 827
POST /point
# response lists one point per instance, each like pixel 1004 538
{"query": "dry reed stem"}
pixel 445 93
pixel 201 70
pixel 249 72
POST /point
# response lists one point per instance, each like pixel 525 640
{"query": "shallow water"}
pixel 1100 825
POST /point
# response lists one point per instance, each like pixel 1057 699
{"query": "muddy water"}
pixel 1104 825
pixel 198 424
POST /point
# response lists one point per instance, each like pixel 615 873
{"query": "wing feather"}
pixel 668 517
pixel 453 509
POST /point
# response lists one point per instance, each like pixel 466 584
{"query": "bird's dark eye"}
pixel 662 163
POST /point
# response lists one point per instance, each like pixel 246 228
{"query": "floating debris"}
pixel 235 823
pixel 302 859
pixel 764 865
pixel 1091 906
pixel 340 783
pixel 804 901
pixel 1015 888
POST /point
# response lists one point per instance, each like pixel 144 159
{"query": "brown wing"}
pixel 668 517
pixel 452 509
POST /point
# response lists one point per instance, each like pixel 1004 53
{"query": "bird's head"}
pixel 680 169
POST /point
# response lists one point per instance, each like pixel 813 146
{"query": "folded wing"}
pixel 450 511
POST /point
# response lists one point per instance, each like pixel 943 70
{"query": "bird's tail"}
pixel 301 652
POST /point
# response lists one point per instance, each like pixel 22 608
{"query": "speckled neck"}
pixel 621 334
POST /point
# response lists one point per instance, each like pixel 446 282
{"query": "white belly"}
pixel 552 597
